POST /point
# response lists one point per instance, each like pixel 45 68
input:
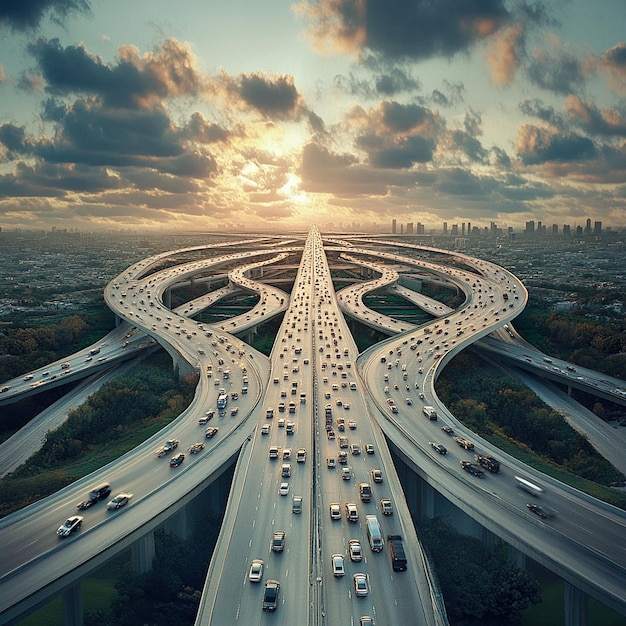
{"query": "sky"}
pixel 200 115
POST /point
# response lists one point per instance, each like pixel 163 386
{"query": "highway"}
pixel 315 350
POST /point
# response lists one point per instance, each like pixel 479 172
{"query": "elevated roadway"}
pixel 199 346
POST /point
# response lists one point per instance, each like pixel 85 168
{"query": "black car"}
pixel 270 595
pixel 175 461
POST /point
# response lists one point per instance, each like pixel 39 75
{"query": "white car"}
pixel 256 571
pixel 69 526
pixel 119 501
pixel 283 489
pixel 360 585
pixel 337 562
pixel 354 548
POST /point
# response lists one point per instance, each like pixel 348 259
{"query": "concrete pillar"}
pixel 178 524
pixel 427 500
pixel 73 606
pixel 576 613
pixel 143 553
pixel 516 556
pixel 167 298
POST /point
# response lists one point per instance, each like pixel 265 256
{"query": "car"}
pixel 342 457
pixel 255 575
pixel 270 595
pixel 360 585
pixel 352 512
pixel 346 473
pixel 335 511
pixel 366 620
pixel 537 510
pixel 234 411
pixel 448 430
pixel 355 550
pixel 278 541
pixel 369 448
pixel 176 460
pixel 168 446
pixel 286 453
pixel 351 424
pixel 355 448
pixel 119 501
pixel 438 447
pixel 472 469
pixel 296 505
pixel 211 432
pixel 273 452
pixel 301 455
pixel 377 475
pixel 281 422
pixel 330 462
pixel 265 429
pixel 330 434
pixel 337 564
pixel 196 447
pixel 283 490
pixel 386 507
pixel 100 492
pixel 394 409
pixel 409 401
pixel 343 442
pixel 69 526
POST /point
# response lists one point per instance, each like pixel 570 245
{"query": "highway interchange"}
pixel 584 531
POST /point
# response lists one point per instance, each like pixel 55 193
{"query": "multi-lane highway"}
pixel 314 365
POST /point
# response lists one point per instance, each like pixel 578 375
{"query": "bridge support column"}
pixel 73 606
pixel 167 298
pixel 143 553
pixel 427 500
pixel 575 606
pixel 517 557
pixel 178 524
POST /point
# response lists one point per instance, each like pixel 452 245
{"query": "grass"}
pixel 98 592
pixel 551 610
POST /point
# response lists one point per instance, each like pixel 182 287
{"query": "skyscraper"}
pixel 393 227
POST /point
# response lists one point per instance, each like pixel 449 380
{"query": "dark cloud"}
pixel 404 153
pixel 468 145
pixel 394 82
pixel 13 138
pixel 613 62
pixel 27 14
pixel 342 175
pixel 132 82
pixel 558 71
pixel 586 115
pixel 538 145
pixel 403 117
pixel 450 95
pixel 405 29
pixel 273 97
pixel 537 108
pixel 201 130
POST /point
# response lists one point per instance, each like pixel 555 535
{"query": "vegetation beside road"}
pixel 513 418
pixel 120 416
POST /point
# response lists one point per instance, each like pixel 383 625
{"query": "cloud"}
pixel 402 29
pixel 504 55
pixel 546 113
pixel 396 135
pixel 27 14
pixel 133 82
pixel 537 145
pixel 558 70
pixel 606 122
pixel 613 62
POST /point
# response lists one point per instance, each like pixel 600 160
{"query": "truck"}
pixel 488 462
pixel 222 401
pixel 396 551
pixel 429 412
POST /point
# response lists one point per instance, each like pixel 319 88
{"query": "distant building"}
pixel 597 228
pixel 393 227
pixel 445 228
pixel 530 228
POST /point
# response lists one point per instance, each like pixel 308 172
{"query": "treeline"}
pixel 480 587
pixel 170 592
pixel 25 349
pixel 492 404
pixel 122 414
pixel 601 347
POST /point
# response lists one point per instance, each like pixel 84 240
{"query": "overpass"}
pixel 187 343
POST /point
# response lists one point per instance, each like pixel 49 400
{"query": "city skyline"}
pixel 209 116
